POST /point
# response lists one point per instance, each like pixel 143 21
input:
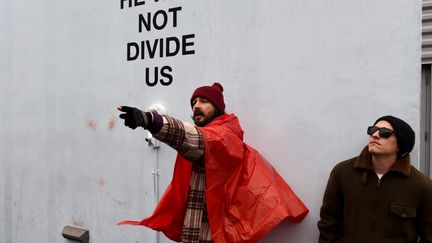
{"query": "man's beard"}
pixel 206 120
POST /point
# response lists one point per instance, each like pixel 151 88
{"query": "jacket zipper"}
pixel 374 216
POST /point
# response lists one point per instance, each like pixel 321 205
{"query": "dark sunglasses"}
pixel 383 132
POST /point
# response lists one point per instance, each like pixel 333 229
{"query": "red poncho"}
pixel 246 197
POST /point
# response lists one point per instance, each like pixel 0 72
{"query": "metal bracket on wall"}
pixel 76 234
pixel 151 141
pixel 155 172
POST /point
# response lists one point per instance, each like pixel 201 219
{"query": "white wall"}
pixel 305 78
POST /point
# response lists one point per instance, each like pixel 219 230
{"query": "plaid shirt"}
pixel 188 141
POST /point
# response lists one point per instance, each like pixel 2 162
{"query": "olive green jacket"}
pixel 359 208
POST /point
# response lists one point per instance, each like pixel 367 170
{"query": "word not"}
pixel 165 47
pixel 162 15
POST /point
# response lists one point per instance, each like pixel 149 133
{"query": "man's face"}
pixel 203 111
pixel 383 146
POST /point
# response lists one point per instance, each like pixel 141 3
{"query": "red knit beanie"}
pixel 212 93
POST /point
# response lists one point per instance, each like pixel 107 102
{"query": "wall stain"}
pixel 115 200
pixel 112 123
pixel 91 124
pixel 101 182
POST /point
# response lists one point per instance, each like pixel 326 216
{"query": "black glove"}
pixel 135 117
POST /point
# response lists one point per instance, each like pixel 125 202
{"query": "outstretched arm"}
pixel 182 136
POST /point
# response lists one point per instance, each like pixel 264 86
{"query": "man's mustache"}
pixel 198 113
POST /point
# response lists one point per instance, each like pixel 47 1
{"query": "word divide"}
pixel 163 47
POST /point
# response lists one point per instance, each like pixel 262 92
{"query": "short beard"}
pixel 206 121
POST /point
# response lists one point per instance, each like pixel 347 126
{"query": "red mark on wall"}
pixel 101 182
pixel 112 123
pixel 91 124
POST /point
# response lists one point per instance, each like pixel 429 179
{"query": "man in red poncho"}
pixel 222 189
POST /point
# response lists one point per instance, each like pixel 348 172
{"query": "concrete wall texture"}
pixel 305 79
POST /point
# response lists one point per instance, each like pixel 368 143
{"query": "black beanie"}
pixel 404 134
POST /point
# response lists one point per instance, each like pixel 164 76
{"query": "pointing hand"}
pixel 134 117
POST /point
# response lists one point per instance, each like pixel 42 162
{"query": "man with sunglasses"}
pixel 222 189
pixel 378 197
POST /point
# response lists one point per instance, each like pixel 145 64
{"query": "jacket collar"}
pixel 364 161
